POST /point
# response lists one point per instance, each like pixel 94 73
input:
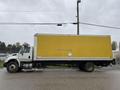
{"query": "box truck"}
pixel 84 51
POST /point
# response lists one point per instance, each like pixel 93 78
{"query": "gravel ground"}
pixel 61 79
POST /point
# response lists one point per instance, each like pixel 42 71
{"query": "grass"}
pixel 1 64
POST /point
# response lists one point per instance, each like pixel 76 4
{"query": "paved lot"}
pixel 61 79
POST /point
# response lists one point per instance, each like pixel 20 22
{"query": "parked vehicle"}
pixel 86 51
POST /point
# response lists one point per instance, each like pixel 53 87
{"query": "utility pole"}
pixel 78 1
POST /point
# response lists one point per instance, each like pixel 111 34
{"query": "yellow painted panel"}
pixel 74 46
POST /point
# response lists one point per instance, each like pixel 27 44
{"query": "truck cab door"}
pixel 25 54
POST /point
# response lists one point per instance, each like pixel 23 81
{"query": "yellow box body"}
pixel 73 47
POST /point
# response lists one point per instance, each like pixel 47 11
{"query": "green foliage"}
pixel 1 64
pixel 2 47
pixel 11 48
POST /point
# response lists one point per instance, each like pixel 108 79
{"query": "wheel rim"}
pixel 89 67
pixel 12 67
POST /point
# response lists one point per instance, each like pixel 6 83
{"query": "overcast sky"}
pixel 103 12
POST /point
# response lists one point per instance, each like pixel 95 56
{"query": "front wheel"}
pixel 89 66
pixel 12 67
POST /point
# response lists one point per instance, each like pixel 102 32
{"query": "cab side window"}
pixel 27 50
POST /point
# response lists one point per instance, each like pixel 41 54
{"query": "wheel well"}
pixel 13 60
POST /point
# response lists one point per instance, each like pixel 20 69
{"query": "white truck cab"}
pixel 25 54
pixel 13 61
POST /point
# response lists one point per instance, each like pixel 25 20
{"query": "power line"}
pixel 97 25
pixel 16 23
pixel 58 24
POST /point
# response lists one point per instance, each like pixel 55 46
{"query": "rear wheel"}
pixel 89 66
pixel 81 67
pixel 12 67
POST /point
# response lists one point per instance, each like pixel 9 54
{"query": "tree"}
pixel 114 45
pixel 2 47
pixel 18 47
pixel 13 48
pixel 17 44
pixel 26 45
pixel 9 48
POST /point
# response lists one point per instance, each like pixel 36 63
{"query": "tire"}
pixel 12 67
pixel 89 67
